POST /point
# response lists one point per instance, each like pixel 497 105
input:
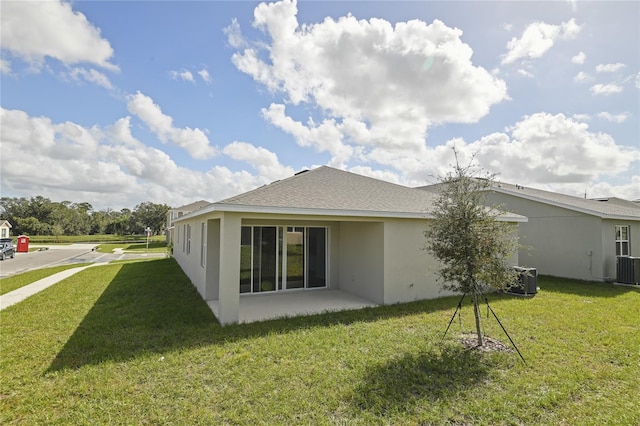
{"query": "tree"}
pixel 469 239
pixel 150 215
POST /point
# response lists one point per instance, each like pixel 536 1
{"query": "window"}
pixel 622 240
pixel 184 240
pixel 274 258
pixel 203 244
pixel 188 239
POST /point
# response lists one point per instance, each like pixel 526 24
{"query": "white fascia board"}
pixel 237 208
pixel 319 212
pixel 561 205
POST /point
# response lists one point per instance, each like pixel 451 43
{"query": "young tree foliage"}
pixel 470 240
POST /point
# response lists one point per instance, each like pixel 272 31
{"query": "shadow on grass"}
pixel 430 376
pixel 582 288
pixel 151 307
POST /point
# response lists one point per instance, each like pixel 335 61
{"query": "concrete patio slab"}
pixel 261 307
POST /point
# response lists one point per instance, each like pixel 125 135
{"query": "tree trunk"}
pixel 476 311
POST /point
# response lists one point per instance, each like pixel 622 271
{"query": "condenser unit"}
pixel 628 270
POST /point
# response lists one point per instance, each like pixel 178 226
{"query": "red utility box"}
pixel 23 244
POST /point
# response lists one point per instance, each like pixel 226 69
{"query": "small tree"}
pixel 471 242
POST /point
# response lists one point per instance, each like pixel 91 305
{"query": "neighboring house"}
pixel 319 231
pixel 178 212
pixel 570 236
pixel 5 229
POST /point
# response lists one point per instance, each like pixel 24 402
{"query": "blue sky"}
pixel 115 102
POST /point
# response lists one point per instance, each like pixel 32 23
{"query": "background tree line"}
pixel 41 216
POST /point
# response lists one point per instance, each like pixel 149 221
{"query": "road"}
pixel 56 255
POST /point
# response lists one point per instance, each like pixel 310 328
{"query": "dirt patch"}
pixel 470 341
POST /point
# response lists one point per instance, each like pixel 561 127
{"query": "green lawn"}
pixel 134 343
pixel 20 280
pixel 154 247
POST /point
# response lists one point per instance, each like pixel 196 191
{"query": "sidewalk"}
pixel 22 293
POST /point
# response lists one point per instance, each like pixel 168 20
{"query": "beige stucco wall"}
pixel 382 260
pixel 558 241
pixel 361 262
pixel 190 263
pixel 409 270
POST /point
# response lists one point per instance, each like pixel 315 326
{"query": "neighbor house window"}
pixel 184 240
pixel 622 240
pixel 203 244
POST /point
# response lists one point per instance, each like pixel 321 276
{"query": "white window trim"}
pixel 621 241
pixel 203 244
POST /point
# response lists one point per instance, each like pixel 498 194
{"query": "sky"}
pixel 116 103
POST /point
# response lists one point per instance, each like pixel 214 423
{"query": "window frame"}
pixel 623 245
pixel 203 244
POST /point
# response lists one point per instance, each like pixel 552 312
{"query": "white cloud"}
pixel 261 159
pixel 34 30
pixel 537 38
pixel 183 75
pixel 579 58
pixel 109 167
pixel 629 191
pixel 638 80
pixel 374 83
pixel 605 89
pixel 582 77
pixel 91 75
pixel 5 66
pixel 609 67
pixel 525 73
pixel 581 117
pixel 614 118
pixel 204 75
pixel 234 35
pixel 541 149
pixel 325 137
pixel 194 141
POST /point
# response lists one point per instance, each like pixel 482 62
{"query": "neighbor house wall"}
pixel 361 264
pixel 557 241
pixel 609 245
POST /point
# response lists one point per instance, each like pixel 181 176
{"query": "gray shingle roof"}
pixel 609 208
pixel 326 188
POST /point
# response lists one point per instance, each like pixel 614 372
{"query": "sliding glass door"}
pixel 295 257
pixel 282 258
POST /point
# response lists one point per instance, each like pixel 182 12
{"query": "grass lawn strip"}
pixel 14 282
pixel 134 343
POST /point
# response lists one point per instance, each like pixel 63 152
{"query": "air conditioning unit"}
pixel 527 281
pixel 628 270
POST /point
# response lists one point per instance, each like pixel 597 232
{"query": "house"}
pixel 569 236
pixel 321 240
pixel 5 229
pixel 174 214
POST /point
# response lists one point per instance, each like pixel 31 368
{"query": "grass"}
pixel 154 247
pixel 14 282
pixel 133 343
pixel 98 238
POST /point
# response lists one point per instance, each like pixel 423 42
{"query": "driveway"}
pixel 55 255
